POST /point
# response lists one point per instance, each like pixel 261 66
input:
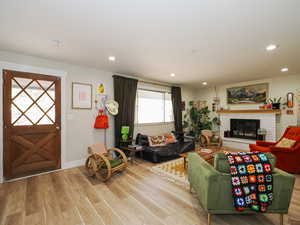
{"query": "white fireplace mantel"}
pixel 267 121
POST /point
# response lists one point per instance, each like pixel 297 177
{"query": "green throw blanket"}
pixel 252 180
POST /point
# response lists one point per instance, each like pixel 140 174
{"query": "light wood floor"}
pixel 133 197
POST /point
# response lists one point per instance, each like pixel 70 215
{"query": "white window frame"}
pixel 137 109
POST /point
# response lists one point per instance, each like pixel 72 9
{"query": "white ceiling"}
pixel 218 41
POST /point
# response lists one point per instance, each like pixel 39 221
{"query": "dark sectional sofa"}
pixel 163 153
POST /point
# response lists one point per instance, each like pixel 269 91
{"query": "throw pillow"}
pixel 157 140
pixel 170 138
pixel 215 139
pixel 285 143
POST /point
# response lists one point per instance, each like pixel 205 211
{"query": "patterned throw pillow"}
pixel 170 138
pixel 157 140
pixel 285 143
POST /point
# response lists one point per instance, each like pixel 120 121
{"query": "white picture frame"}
pixel 81 95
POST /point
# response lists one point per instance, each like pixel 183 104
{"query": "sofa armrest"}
pixel 205 180
pixel 265 143
pixel 189 137
pixel 214 189
pixel 283 186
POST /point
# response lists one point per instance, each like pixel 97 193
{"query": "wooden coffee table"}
pixel 209 157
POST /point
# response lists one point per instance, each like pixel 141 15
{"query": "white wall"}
pixel 278 87
pixel 79 123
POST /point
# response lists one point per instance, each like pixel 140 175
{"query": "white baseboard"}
pixel 74 163
pixel 67 165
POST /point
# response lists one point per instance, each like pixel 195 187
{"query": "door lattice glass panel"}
pixel 33 102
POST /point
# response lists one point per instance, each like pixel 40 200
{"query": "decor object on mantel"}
pixel 277 111
pixel 275 102
pixel 251 94
pixel 288 158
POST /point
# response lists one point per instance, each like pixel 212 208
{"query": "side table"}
pixel 132 152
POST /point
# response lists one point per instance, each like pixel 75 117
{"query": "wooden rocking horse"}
pixel 103 162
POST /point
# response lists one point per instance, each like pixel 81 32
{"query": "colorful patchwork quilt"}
pixel 252 180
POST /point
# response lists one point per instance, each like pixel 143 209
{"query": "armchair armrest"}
pixel 265 143
pixel 281 149
pixel 120 152
pixel 204 139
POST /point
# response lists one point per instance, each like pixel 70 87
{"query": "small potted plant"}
pixel 275 102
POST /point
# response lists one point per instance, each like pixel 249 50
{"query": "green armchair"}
pixel 213 186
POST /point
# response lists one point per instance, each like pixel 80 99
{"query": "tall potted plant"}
pixel 196 120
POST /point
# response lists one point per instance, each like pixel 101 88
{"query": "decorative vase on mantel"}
pixel 276 106
pixel 275 102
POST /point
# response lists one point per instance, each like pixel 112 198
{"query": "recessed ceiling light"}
pixel 112 58
pixel 271 47
pixel 284 69
pixel 204 83
pixel 56 43
pixel 172 74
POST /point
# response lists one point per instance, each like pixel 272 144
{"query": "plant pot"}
pixel 276 106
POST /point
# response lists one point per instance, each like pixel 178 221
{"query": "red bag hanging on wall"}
pixel 101 121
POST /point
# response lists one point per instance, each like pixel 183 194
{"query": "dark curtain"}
pixel 177 108
pixel 125 95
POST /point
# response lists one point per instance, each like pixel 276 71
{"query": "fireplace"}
pixel 244 128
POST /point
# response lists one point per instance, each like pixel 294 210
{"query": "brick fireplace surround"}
pixel 267 121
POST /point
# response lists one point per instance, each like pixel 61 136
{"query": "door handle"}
pixel 57 128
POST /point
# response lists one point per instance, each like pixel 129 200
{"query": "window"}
pixel 153 107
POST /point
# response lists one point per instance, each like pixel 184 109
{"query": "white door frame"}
pixel 40 70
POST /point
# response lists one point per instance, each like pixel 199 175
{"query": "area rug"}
pixel 173 171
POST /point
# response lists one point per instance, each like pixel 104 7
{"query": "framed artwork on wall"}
pixel 81 96
pixel 251 94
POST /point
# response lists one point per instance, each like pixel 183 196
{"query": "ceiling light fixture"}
pixel 271 47
pixel 57 43
pixel 172 74
pixel 112 58
pixel 204 83
pixel 284 69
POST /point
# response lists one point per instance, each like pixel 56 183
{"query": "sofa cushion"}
pixel 170 138
pixel 221 164
pixel 285 143
pixel 159 140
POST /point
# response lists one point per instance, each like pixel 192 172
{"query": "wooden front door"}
pixel 32 121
